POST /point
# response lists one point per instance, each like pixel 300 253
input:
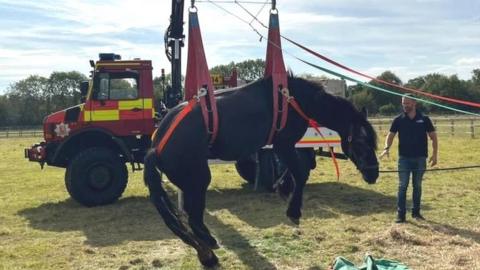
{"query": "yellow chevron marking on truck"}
pixel 139 103
pixel 104 115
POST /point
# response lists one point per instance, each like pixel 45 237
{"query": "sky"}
pixel 410 38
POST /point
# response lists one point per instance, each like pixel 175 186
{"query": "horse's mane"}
pixel 334 103
pixel 337 103
pixel 360 119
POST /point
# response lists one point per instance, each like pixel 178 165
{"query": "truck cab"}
pixel 97 138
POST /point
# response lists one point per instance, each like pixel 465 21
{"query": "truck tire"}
pixel 96 176
pixel 260 174
pixel 265 170
pixel 287 183
pixel 247 168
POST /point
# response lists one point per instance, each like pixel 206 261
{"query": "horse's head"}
pixel 359 143
pixel 359 140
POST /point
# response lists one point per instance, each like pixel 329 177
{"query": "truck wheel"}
pixel 95 177
pixel 260 174
pixel 265 169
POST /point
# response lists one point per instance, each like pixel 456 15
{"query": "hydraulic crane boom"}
pixel 174 41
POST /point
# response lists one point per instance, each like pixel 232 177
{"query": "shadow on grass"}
pixel 135 218
pixel 321 200
pixel 232 240
pixel 129 219
pixel 449 230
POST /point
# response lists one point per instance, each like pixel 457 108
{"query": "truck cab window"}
pixel 117 86
pixel 123 88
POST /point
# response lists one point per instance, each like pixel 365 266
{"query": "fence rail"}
pixel 18 132
pixel 453 126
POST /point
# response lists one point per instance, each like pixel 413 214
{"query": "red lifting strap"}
pixel 198 77
pixel 275 67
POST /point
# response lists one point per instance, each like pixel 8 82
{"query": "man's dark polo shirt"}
pixel 412 134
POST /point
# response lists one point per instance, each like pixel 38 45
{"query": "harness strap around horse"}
pixel 275 67
pixel 183 113
pixel 312 123
pixel 197 79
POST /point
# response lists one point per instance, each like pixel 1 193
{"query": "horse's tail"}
pixel 158 195
pixel 150 173
pixel 160 199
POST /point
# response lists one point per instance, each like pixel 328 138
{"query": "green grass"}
pixel 42 228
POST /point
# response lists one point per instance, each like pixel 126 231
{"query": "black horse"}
pixel 245 118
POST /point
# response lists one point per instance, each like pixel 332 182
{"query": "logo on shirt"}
pixel 419 121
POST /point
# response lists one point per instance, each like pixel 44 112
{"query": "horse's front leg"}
pixel 288 155
pixel 194 203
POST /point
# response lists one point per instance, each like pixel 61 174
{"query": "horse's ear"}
pixel 364 112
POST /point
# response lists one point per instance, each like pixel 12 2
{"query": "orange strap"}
pixel 311 122
pixel 185 111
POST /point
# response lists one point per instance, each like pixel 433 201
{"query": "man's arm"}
pixel 388 144
pixel 433 158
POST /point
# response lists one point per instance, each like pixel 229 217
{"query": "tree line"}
pixel 28 101
pixel 378 102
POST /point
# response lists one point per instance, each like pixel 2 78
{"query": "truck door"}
pixel 117 104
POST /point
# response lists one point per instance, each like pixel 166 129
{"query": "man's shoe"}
pixel 417 216
pixel 400 218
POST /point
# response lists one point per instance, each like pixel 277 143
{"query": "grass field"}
pixel 41 228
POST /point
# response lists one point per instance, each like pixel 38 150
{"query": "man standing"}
pixel 412 127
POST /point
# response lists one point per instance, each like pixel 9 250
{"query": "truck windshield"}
pixel 117 86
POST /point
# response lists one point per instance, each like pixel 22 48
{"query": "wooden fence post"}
pixel 452 125
pixel 472 128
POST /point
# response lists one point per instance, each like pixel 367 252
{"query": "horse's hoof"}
pixel 294 214
pixel 214 246
pixel 211 242
pixel 208 260
pixel 296 221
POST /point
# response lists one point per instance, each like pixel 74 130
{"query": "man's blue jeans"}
pixel 407 166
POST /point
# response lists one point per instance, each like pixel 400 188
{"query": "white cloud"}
pixel 411 38
pixel 471 62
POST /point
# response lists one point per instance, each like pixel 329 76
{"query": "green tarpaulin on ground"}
pixel 369 264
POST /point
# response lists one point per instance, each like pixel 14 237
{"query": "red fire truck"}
pixel 96 139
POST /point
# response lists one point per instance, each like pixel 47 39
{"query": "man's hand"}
pixel 385 152
pixel 433 160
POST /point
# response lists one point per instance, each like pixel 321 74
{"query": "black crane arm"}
pixel 174 41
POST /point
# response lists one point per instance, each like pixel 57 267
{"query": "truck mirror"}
pixel 83 91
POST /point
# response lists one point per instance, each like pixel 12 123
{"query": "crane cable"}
pixel 452 100
pixel 328 70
